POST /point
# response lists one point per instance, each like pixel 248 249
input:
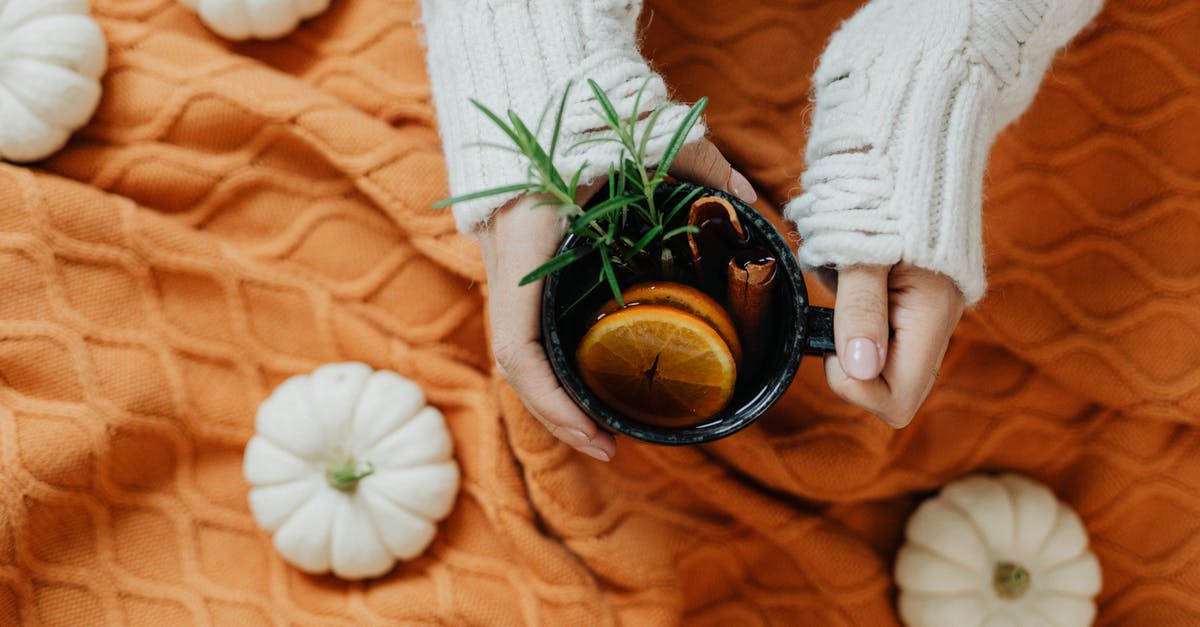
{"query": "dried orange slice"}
pixel 683 298
pixel 657 364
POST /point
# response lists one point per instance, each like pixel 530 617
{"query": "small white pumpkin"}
pixel 52 55
pixel 996 552
pixel 350 470
pixel 258 19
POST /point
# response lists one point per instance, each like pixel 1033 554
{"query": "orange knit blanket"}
pixel 236 214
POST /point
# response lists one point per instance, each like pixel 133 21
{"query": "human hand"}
pixel 522 237
pixel 890 374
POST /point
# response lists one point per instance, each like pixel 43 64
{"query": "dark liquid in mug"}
pixel 756 366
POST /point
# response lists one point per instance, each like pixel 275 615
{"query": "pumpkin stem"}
pixel 345 474
pixel 1010 580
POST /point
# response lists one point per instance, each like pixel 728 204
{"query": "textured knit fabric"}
pixel 236 214
pixel 909 97
pixel 520 55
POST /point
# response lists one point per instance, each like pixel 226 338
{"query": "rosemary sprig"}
pixel 631 207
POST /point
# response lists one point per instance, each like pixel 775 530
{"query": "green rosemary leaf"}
pixel 507 189
pixel 494 147
pixel 536 154
pixel 602 210
pixel 637 104
pixel 680 136
pixel 558 118
pixel 525 138
pixel 610 275
pixel 632 175
pixel 593 140
pixel 582 297
pixel 557 263
pixel 610 113
pixel 644 214
pixel 680 231
pixel 646 134
pixel 644 241
pixel 574 187
pixel 495 118
pixel 686 202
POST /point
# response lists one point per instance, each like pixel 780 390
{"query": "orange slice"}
pixel 657 364
pixel 683 298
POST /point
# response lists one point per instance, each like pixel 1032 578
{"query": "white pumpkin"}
pixel 258 19
pixel 52 55
pixel 996 552
pixel 350 470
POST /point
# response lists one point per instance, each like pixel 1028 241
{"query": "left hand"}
pixel 891 373
pixel 521 237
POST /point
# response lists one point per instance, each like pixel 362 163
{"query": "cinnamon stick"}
pixel 751 292
pixel 719 236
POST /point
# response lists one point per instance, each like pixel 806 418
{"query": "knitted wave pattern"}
pixel 238 213
pixel 1079 367
pixel 908 98
pixel 563 44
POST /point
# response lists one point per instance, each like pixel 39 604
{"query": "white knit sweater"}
pixel 909 94
pixel 520 55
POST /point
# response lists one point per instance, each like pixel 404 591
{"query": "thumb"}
pixel 860 320
pixel 702 163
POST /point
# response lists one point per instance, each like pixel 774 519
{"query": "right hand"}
pixel 521 238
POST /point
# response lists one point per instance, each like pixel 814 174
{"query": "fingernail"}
pixel 740 186
pixel 862 359
pixel 573 437
pixel 595 452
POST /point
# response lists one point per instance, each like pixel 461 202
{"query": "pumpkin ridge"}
pixel 1016 482
pixel 284 518
pixel 375 511
pixel 1049 574
pixel 935 598
pixel 958 511
pixel 53 72
pixel 396 431
pixel 81 63
pixel 1019 588
pixel 357 437
pixel 943 556
pixel 373 519
pixel 12 95
pixel 383 473
pixel 979 531
pixel 34 16
pixel 1061 516
pixel 344 426
pixel 1058 514
pixel 304 466
pixel 1014 516
pixel 335 414
pixel 1040 613
pixel 915 551
pixel 400 433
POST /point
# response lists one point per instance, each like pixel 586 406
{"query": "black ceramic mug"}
pixel 801 330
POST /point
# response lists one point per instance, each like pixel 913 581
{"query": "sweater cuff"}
pixel 521 55
pixel 916 199
pixel 910 95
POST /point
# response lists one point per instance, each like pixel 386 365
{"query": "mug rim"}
pixel 772 389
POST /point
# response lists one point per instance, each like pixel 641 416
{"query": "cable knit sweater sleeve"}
pixel 521 55
pixel 910 95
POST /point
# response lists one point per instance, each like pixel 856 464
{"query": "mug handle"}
pixel 819 328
